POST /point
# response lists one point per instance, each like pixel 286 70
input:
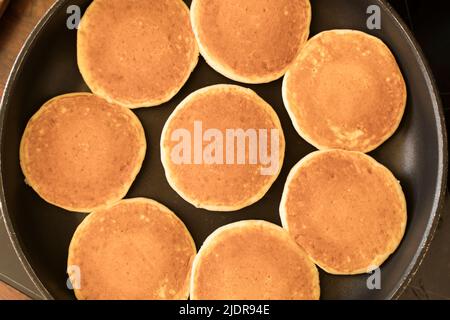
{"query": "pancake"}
pixel 251 41
pixel 80 152
pixel 207 172
pixel 136 53
pixel 345 91
pixel 135 250
pixel 253 260
pixel 347 211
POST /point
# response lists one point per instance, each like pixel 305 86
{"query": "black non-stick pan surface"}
pixel 417 153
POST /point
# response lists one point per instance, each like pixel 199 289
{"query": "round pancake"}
pixel 347 211
pixel 136 53
pixel 345 91
pixel 80 152
pixel 135 249
pixel 251 41
pixel 219 185
pixel 253 260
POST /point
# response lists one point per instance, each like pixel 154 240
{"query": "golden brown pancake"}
pixel 80 152
pixel 345 209
pixel 136 53
pixel 345 91
pixel 219 184
pixel 136 249
pixel 251 41
pixel 253 260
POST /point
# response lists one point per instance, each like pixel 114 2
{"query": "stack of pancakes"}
pixel 341 210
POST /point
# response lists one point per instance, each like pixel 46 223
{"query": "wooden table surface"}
pixel 16 24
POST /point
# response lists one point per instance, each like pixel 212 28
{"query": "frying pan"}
pixel 46 67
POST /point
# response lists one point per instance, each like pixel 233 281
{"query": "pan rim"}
pixel 439 197
pixel 23 53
